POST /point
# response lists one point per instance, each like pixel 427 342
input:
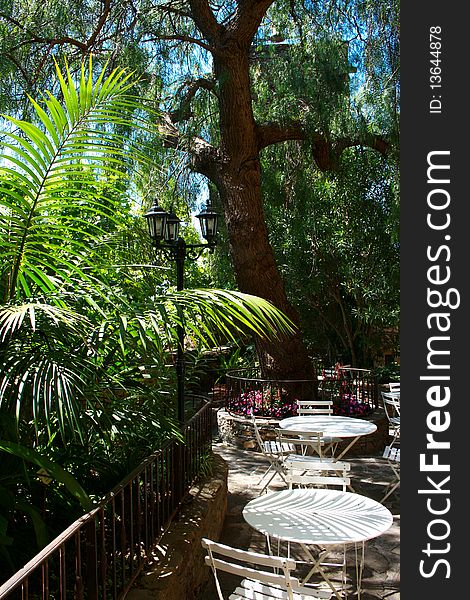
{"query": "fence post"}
pixel 91 561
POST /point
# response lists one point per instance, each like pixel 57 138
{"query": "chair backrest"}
pixel 314 407
pixel 258 437
pixel 392 453
pixel 391 404
pixel 303 441
pixel 318 473
pixel 221 557
pixel 270 450
pixel 394 387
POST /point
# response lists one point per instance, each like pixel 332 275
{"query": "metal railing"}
pixel 247 391
pixel 354 392
pixel 100 555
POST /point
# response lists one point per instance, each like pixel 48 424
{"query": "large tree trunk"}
pixel 234 166
pixel 239 186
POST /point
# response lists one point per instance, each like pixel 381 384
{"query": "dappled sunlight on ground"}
pixel 370 477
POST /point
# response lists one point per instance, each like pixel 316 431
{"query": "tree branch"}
pixel 172 10
pixel 18 65
pixel 326 152
pixel 247 19
pixel 61 41
pixel 205 158
pixel 273 133
pixel 375 142
pixel 183 112
pixel 205 20
pixel 183 38
pixel 100 24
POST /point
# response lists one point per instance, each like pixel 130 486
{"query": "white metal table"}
pixel 319 517
pixel 331 426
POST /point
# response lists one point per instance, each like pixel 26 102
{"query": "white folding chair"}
pixel 314 407
pixel 319 407
pixel 321 473
pixel 274 452
pixel 305 469
pixel 391 404
pixel 300 442
pixel 394 386
pixel 263 577
pixel 392 455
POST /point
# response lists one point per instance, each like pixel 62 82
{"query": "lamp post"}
pixel 164 233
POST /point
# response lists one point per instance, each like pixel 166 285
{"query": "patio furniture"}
pixel 314 407
pixel 304 469
pixel 391 404
pixel 274 452
pixel 321 518
pixel 322 474
pixel 394 386
pixel 319 407
pixel 332 427
pixel 392 455
pixel 258 583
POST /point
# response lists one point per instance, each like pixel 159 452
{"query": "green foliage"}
pixel 387 373
pixel 350 63
pixel 85 313
pixel 49 468
pixel 316 95
pixel 61 161
pixel 333 67
pixel 341 232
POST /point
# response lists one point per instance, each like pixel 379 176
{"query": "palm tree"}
pixel 67 326
pixel 79 313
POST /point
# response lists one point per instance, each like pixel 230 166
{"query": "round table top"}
pixel 329 425
pixel 318 516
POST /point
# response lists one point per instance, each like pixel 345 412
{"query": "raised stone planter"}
pixel 238 431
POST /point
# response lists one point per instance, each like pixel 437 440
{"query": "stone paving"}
pixel 370 475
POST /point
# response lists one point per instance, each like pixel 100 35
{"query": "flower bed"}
pixel 350 395
pixel 350 406
pixel 350 390
pixel 262 404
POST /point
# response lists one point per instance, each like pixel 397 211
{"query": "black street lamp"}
pixel 164 233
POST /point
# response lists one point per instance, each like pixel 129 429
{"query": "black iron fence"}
pixel 354 392
pixel 100 555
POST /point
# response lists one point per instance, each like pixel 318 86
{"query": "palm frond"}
pixel 12 317
pixel 205 314
pixel 51 201
pixel 52 468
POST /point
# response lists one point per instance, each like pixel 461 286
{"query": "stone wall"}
pixel 177 570
pixel 238 431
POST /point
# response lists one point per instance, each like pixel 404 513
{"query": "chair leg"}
pixel 392 488
pixel 395 437
pixel 317 567
pixel 268 482
pixel 276 471
pixel 264 475
pixel 359 568
pixel 393 485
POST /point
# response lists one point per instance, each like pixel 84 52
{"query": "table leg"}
pixel 317 568
pixel 359 569
pixel 348 447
